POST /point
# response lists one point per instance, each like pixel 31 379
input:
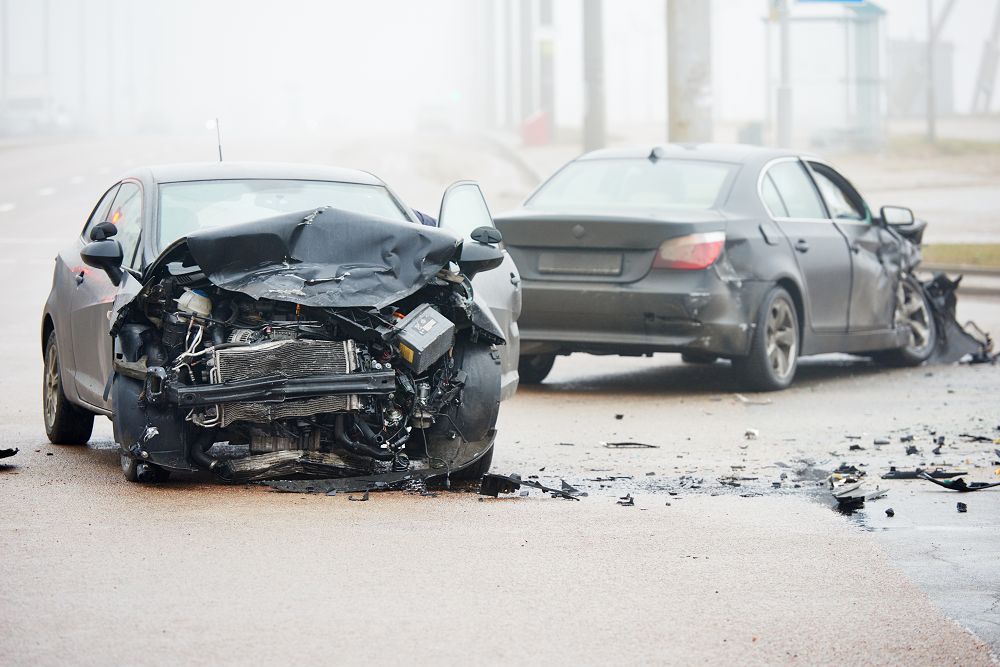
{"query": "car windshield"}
pixel 189 206
pixel 634 183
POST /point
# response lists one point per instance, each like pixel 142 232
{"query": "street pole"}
pixel 593 76
pixel 689 70
pixel 526 39
pixel 931 107
pixel 784 102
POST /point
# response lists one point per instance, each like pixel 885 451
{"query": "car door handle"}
pixel 515 280
pixel 79 278
pixel 855 248
pixel 802 245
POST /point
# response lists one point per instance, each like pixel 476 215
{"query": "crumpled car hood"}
pixel 328 258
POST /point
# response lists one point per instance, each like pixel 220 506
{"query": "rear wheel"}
pixel 914 314
pixel 65 423
pixel 774 351
pixel 533 368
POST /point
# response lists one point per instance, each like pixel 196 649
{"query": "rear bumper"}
pixel 667 311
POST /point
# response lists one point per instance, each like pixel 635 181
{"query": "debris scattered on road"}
pixel 493 485
pixel 856 448
pixel 565 444
pixel 970 437
pixel 906 438
pixel 911 450
pixel 880 441
pixel 619 416
pixel 410 480
pixel 572 490
pixel 917 473
pixel 627 500
pixel 7 453
pixel 959 484
pixel 751 434
pixel 752 401
pixel 362 499
pixel 889 512
pixel 629 445
pixel 962 508
pixel 955 342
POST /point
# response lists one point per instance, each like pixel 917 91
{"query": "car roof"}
pixel 738 153
pixel 208 171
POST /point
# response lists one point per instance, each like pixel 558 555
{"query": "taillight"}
pixel 695 251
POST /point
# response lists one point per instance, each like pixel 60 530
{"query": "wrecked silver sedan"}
pixel 300 315
pixel 750 254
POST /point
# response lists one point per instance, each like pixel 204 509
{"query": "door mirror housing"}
pixel 102 231
pixel 106 255
pixel 897 216
pixel 477 257
pixel 487 234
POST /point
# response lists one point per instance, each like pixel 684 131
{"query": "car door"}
pixel 820 248
pixel 873 274
pixel 463 209
pixel 93 296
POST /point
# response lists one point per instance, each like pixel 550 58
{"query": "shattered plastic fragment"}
pixel 629 445
pixel 889 512
pixel 751 434
pixel 960 484
pixel 627 500
pixel 962 508
pixel 7 453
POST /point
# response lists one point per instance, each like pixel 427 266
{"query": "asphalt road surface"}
pixel 714 562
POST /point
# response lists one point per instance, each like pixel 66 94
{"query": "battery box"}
pixel 423 337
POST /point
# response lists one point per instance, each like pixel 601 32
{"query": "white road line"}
pixel 46 191
pixel 6 207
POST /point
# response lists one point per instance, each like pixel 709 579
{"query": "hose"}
pixel 359 448
pixel 197 447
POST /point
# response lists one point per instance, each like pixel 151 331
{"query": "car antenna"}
pixel 218 138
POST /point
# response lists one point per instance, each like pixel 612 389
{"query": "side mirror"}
pixel 488 235
pixel 477 257
pixel 105 255
pixel 897 216
pixel 103 230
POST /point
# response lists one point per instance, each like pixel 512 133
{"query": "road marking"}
pixel 6 207
pixel 46 191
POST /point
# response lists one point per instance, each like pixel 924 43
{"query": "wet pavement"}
pixel 698 569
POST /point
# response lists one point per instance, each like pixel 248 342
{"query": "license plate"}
pixel 581 263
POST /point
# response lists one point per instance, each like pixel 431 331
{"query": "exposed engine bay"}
pixel 304 390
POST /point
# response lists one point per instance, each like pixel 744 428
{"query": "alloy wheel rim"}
pixel 912 313
pixel 51 385
pixel 782 338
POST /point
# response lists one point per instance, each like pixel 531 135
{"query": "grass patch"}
pixel 970 254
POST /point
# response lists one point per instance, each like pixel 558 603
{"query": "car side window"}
pixel 126 214
pixel 772 200
pixel 797 190
pixel 100 213
pixel 843 201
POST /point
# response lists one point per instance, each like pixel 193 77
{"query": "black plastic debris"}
pixel 362 499
pixel 962 508
pixel 572 490
pixel 627 500
pixel 917 473
pixel 619 417
pixel 971 437
pixel 889 512
pixel 629 445
pixel 493 485
pixel 414 480
pixel 911 450
pixel 960 484
pixel 879 441
pixel 955 342
pixel 7 453
pixel 856 448
pixel 906 438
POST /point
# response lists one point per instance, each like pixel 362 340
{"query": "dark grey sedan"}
pixel 755 255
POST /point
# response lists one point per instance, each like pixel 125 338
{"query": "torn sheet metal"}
pixel 493 485
pixel 286 463
pixel 918 473
pixel 403 480
pixel 327 258
pixel 960 484
pixel 955 342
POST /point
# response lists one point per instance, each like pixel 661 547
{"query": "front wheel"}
pixel 65 423
pixel 913 313
pixel 774 350
pixel 533 368
pixel 477 469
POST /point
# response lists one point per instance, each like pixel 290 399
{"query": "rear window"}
pixel 635 183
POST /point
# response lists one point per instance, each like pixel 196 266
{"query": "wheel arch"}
pixel 48 326
pixel 795 292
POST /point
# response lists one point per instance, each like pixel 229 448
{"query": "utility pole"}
pixel 784 101
pixel 931 106
pixel 593 76
pixel 526 35
pixel 689 70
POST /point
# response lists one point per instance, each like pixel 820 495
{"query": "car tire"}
pixel 476 469
pixel 534 368
pixel 65 423
pixel 774 349
pixel 698 358
pixel 913 311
